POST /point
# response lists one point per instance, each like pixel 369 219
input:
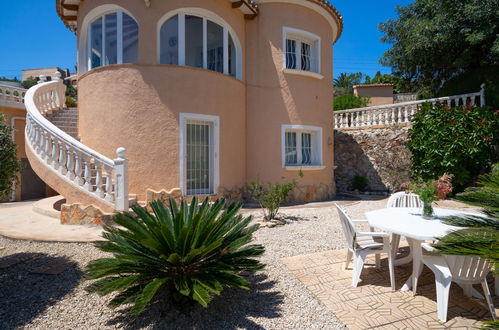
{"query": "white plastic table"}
pixel 409 223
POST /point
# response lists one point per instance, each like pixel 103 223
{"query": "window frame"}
pixel 300 37
pixel 316 144
pixel 206 16
pixel 119 37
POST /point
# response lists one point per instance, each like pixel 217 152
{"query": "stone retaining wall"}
pixel 379 154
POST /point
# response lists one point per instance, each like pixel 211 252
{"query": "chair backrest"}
pixel 403 199
pixel 347 225
pixel 467 268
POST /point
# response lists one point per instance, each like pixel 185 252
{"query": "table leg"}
pixel 417 266
pixel 395 245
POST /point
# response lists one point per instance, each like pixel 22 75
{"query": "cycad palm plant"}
pixel 190 252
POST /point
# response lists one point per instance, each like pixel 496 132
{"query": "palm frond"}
pixel 192 250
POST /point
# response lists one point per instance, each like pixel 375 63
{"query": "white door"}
pixel 199 157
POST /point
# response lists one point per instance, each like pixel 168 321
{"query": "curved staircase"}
pixel 79 173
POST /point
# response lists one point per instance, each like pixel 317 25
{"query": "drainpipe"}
pixel 12 196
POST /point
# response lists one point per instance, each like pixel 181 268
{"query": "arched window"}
pixel 199 42
pixel 113 38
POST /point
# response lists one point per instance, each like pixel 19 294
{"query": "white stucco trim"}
pixel 206 14
pixel 305 168
pixel 304 73
pixel 312 6
pixel 83 39
pixel 183 118
pixel 318 146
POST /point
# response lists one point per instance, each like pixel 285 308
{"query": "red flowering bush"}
pixel 431 190
pixel 459 140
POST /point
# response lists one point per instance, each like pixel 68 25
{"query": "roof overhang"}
pixel 68 10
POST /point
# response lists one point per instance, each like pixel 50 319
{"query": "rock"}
pixel 78 214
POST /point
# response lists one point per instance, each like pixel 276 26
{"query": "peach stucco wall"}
pixel 378 95
pixel 138 106
pixel 275 98
pixel 19 125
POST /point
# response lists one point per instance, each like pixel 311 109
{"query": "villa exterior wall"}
pixel 378 95
pixel 138 107
pixel 275 98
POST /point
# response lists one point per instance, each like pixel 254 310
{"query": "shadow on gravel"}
pixel 32 282
pixel 233 309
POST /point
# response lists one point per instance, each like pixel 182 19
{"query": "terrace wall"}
pixel 379 154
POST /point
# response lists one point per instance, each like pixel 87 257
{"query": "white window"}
pixel 301 146
pixel 197 41
pixel 113 38
pixel 301 50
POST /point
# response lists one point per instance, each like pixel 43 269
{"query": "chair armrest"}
pixel 428 247
pixel 359 221
pixel 373 233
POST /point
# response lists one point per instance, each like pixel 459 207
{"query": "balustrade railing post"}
pixel 121 181
pixel 87 173
pixel 98 179
pixel 62 158
pixel 78 169
pixel 70 163
pixel 482 95
pixel 109 184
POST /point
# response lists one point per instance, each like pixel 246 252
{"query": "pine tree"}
pixel 9 164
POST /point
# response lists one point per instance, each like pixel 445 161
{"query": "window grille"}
pixel 306 148
pixel 291 148
pixel 199 157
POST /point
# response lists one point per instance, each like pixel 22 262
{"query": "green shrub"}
pixel 189 252
pixel 71 102
pixel 9 164
pixel 270 196
pixel 457 141
pixel 359 182
pixel 350 101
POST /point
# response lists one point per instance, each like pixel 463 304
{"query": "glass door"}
pixel 199 157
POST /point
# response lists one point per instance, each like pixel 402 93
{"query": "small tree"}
pixel 270 196
pixel 9 164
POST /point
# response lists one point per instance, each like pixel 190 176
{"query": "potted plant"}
pixel 430 191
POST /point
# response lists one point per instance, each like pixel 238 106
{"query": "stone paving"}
pixel 372 305
pixel 19 221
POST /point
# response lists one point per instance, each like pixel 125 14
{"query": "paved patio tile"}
pixel 372 305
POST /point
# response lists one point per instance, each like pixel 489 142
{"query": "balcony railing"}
pixel 11 96
pixel 399 113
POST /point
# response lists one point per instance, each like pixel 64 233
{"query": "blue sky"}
pixel 33 36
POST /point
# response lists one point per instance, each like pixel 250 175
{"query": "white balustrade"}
pixel 398 113
pixel 12 96
pixel 93 174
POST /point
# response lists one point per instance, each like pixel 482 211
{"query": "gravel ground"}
pixel 277 299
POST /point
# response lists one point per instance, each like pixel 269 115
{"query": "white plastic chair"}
pixel 464 270
pixel 403 199
pixel 361 244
